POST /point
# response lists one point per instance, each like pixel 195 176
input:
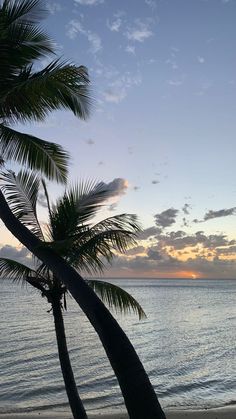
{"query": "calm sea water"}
pixel 187 345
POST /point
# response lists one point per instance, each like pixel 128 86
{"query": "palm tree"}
pixel 81 244
pixel 84 246
pixel 22 43
pixel 28 95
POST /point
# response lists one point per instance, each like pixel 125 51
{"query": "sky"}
pixel 162 129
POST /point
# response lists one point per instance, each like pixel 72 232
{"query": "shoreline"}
pixel 228 412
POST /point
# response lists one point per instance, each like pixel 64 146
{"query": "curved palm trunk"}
pixel 140 398
pixel 75 402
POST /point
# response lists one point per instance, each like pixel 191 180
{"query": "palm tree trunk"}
pixel 75 402
pixel 140 398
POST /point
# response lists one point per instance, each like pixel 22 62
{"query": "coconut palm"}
pixel 139 396
pixel 22 43
pixel 29 94
pixel 84 246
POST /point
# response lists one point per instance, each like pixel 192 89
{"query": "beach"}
pixel 219 413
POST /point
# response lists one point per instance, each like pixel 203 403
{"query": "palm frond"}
pixel 32 95
pixel 46 157
pixel 20 273
pixel 78 205
pixel 21 39
pixel 28 11
pixel 21 192
pixel 116 298
pixel 101 241
pixel 15 270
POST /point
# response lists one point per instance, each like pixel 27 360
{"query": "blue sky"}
pixel 162 131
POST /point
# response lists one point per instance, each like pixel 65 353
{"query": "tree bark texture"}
pixel 139 395
pixel 75 402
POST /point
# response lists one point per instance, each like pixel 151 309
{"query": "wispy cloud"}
pixel 130 49
pixel 118 88
pixel 201 60
pixel 75 27
pixel 175 83
pixel 140 31
pixel 54 7
pixel 114 25
pixel 151 3
pixel 113 96
pixel 89 2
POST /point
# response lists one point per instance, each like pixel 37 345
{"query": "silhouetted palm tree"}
pixel 21 43
pixel 83 245
pixel 28 94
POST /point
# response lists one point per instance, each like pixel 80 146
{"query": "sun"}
pixel 194 276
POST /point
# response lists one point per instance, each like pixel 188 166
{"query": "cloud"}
pixel 115 188
pixel 89 2
pixel 166 218
pixel 75 27
pixel 115 25
pixel 117 89
pixel 130 49
pixel 154 254
pixel 21 255
pixel 113 96
pixel 201 60
pixel 139 32
pixel 175 83
pixel 220 213
pixel 186 209
pixel 54 7
pixel 151 3
pixel 155 182
pixel 90 141
pixel 149 233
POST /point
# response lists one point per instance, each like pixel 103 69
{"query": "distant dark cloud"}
pixel 154 254
pixel 179 240
pixel 21 254
pixel 166 218
pixel 155 182
pixel 90 141
pixel 220 213
pixel 135 251
pixel 186 209
pixel 149 232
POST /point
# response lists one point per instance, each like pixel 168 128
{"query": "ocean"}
pixel 187 345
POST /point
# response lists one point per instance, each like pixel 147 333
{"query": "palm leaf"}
pixel 101 241
pixel 18 272
pixel 44 156
pixel 14 270
pixel 28 11
pixel 21 192
pixel 116 298
pixel 21 40
pixel 33 95
pixel 77 206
